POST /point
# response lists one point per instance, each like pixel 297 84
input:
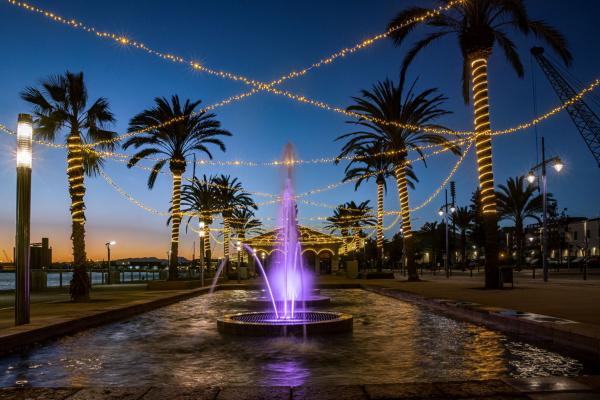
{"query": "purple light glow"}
pixel 288 281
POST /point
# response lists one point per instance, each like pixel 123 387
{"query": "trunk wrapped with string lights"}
pixel 226 217
pixel 80 283
pixel 380 187
pixel 206 218
pixel 402 183
pixel 176 172
pixel 483 145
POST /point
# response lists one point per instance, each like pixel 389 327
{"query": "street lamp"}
pixel 108 244
pixel 22 262
pixel 201 236
pixel 558 165
pixel 444 212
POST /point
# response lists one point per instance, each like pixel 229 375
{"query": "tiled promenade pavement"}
pixel 550 388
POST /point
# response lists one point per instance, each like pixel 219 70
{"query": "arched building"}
pixel 320 250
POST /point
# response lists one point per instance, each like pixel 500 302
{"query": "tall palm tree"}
pixel 232 196
pixel 387 102
pixel 518 201
pixel 479 25
pixel 431 236
pixel 61 104
pixel 200 199
pixel 370 161
pixel 462 217
pixel 190 132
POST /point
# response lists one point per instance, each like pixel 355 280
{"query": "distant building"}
pixel 40 255
pixel 567 237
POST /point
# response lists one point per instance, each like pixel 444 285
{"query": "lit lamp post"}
pixel 558 165
pixel 22 284
pixel 443 212
pixel 108 244
pixel 201 236
pixel 239 257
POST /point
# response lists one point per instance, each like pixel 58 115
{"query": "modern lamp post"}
pixel 558 165
pixel 201 236
pixel 239 258
pixel 108 244
pixel 443 212
pixel 24 156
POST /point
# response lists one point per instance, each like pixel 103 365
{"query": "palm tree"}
pixel 479 25
pixel 518 201
pixel 232 196
pixel 463 219
pixel 244 223
pixel 176 141
pixel 360 217
pixel 386 102
pixel 370 161
pixel 62 104
pixel 200 199
pixel 340 222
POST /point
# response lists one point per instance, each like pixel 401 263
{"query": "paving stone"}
pixel 254 393
pixel 350 392
pixel 546 384
pixel 35 393
pixel 403 391
pixel 110 393
pixel 492 387
pixel 197 393
pixel 565 396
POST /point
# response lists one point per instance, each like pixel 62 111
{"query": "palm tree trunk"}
pixel 175 222
pixel 380 184
pixel 80 284
pixel 207 252
pixel 226 242
pixel 483 145
pixel 407 233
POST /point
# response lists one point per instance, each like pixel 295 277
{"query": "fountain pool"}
pixel 392 341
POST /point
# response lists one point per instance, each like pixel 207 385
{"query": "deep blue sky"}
pixel 263 40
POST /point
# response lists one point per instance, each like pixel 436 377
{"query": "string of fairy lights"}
pixel 257 85
pixel 328 160
pixel 481 136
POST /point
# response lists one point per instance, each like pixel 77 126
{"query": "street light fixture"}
pixel 201 235
pixel 558 165
pixel 108 244
pixel 444 212
pixel 22 262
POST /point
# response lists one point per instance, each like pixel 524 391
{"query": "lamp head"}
pixel 440 212
pixel 531 177
pixel 558 165
pixel 24 139
pixel 452 209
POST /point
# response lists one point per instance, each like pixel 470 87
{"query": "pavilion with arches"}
pixel 321 252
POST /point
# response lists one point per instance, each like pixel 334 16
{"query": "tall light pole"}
pixel 24 157
pixel 444 212
pixel 201 236
pixel 239 257
pixel 558 165
pixel 108 244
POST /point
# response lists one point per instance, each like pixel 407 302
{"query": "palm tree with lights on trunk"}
pixel 62 103
pixel 479 25
pixel 174 131
pixel 388 103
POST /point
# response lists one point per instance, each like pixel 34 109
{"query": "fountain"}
pixel 288 285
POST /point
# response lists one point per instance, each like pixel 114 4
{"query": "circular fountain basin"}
pixel 313 300
pixel 267 324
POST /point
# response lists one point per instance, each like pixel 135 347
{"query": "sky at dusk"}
pixel 263 40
